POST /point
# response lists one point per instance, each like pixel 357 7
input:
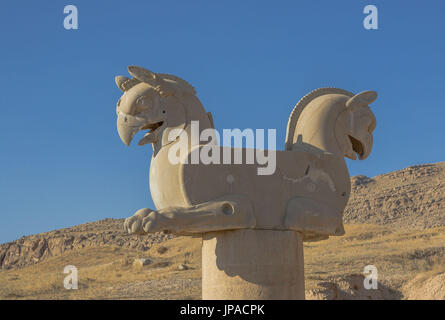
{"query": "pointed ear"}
pixel 120 80
pixel 142 74
pixel 361 99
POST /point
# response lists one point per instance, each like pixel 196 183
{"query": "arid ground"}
pixel 394 221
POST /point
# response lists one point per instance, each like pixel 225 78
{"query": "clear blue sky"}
pixel 62 162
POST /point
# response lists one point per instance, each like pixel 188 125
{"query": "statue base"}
pixel 252 265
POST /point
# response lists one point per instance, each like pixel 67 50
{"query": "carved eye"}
pixel 143 103
pixel 163 111
pixel 141 100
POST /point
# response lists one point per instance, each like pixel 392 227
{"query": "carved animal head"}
pixel 333 120
pixel 155 102
pixel 362 123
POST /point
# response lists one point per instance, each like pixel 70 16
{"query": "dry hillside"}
pixel 411 198
pixel 394 221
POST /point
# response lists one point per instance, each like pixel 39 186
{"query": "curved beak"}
pixel 128 126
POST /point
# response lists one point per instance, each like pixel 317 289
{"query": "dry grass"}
pixel 398 255
pixel 108 272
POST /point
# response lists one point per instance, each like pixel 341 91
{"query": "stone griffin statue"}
pixel 307 192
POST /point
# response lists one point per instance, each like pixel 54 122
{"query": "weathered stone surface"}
pixel 306 190
pixel 301 198
pixel 252 264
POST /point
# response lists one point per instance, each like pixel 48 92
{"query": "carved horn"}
pixel 125 83
pixel 361 99
pixel 142 74
pixel 120 80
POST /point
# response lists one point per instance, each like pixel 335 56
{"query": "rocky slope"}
pixel 35 248
pixel 412 198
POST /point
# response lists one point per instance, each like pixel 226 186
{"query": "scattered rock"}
pixel 161 249
pixel 351 287
pixel 361 180
pixel 161 264
pixel 33 249
pixel 141 262
pixel 182 267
